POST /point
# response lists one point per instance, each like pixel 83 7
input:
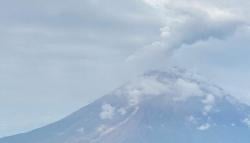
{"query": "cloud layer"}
pixel 60 49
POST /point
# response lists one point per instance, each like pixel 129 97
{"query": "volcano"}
pixel 174 106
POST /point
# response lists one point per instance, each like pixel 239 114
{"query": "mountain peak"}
pixel 175 84
pixel 173 106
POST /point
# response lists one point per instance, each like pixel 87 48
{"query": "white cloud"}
pixel 185 89
pixel 209 99
pixel 107 112
pixel 101 128
pixel 186 23
pixel 208 102
pixel 204 127
pixel 122 111
pixel 144 87
pixel 246 121
pixel 176 85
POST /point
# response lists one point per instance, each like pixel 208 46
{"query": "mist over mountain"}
pixel 173 106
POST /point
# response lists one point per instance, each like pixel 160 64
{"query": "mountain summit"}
pixel 159 107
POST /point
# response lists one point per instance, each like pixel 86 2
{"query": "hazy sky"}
pixel 59 55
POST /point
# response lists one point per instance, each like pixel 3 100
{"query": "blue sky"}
pixel 57 56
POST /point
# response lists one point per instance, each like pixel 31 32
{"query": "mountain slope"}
pixel 159 107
